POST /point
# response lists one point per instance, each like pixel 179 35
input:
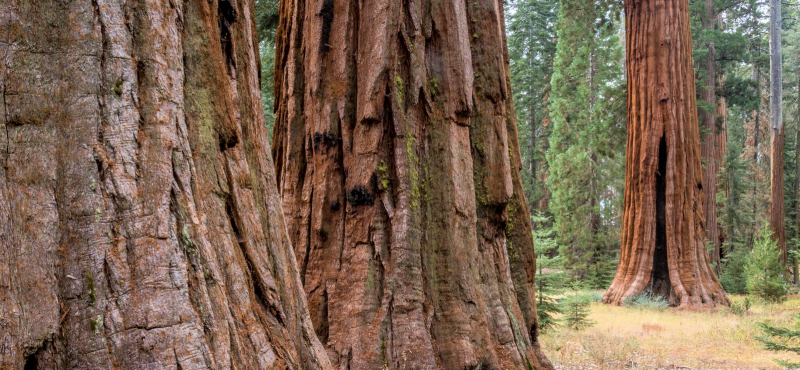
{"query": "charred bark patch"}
pixel 235 228
pixel 659 277
pixel 322 329
pixel 17 121
pixel 226 17
pixel 31 363
pixel 327 19
pixel 359 196
pixel 325 139
pixel 227 140
pixel 373 182
pixel 41 357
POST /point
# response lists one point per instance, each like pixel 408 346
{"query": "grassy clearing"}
pixel 632 338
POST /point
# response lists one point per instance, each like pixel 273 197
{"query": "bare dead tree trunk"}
pixel 399 167
pixel 140 224
pixel 776 129
pixel 663 238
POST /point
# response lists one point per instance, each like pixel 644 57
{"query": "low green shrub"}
pixel 742 308
pixel 647 301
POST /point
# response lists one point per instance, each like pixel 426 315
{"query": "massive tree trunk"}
pixel 399 167
pixel 776 129
pixel 708 143
pixel 663 237
pixel 140 224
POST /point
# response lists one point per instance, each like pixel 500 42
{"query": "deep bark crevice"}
pixel 322 328
pixel 226 17
pixel 31 363
pixel 659 277
pixel 326 13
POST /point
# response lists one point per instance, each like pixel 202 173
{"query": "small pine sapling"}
pixel 548 283
pixel 764 270
pixel 575 308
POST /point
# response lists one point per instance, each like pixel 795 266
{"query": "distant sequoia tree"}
pixel 399 167
pixel 140 225
pixel 663 234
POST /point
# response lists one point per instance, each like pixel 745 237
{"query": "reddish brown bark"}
pixel 398 163
pixel 140 225
pixel 708 143
pixel 663 238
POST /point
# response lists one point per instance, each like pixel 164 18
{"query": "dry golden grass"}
pixel 630 338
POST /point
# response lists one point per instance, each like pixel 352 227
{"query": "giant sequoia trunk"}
pixel 708 143
pixel 140 225
pixel 663 247
pixel 398 163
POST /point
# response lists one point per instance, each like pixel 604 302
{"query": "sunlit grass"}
pixel 630 338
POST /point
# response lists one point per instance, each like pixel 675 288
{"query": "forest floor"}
pixel 635 338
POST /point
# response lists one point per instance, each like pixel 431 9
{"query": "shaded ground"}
pixel 630 338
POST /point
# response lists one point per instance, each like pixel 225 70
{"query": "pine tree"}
pixel 575 308
pixel 531 48
pixel 763 268
pixel 587 142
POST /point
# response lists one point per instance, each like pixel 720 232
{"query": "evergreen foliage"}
pixel 550 283
pixel 575 308
pixel 782 339
pixel 531 47
pixel 733 277
pixel 266 25
pixel 586 153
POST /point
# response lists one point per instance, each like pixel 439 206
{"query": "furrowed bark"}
pixel 140 225
pixel 398 163
pixel 663 237
pixel 708 145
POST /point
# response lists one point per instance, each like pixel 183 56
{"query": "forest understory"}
pixel 646 338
